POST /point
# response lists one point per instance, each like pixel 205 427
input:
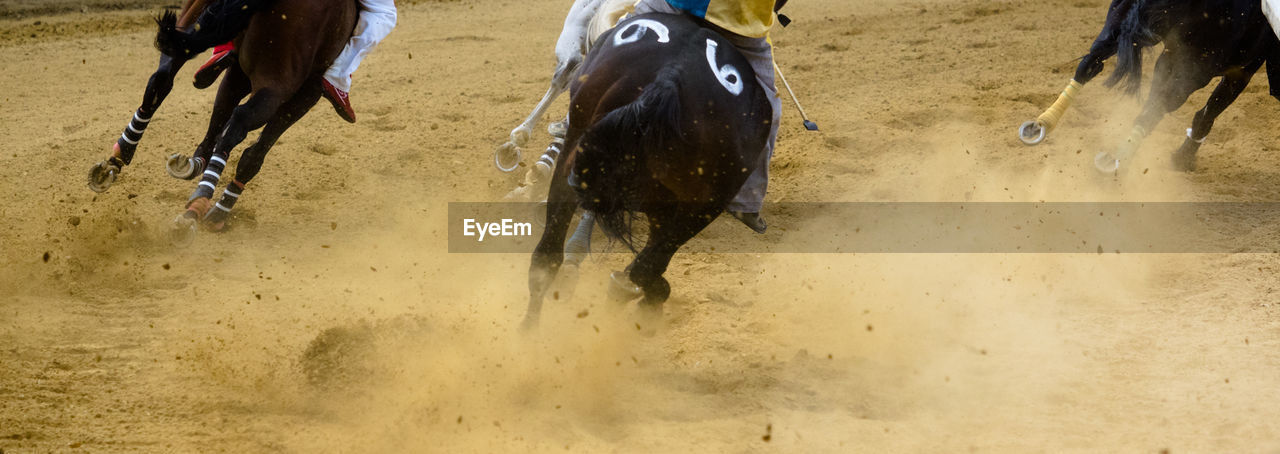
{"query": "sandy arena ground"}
pixel 112 340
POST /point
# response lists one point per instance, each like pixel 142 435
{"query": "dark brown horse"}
pixel 667 119
pixel 284 49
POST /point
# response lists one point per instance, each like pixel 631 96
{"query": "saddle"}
pixel 610 13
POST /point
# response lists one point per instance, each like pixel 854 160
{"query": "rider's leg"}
pixel 747 204
pixel 377 18
pixel 1271 9
pixel 220 22
pixel 224 55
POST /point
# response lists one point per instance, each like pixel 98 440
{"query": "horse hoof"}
pixel 558 129
pixel 180 167
pixel 102 175
pixel 621 289
pixel 540 172
pixel 507 157
pixel 216 220
pixel 183 230
pixel 520 136
pixel 1106 163
pixel 529 324
pixel 566 283
pixel 1184 162
pixel 1032 132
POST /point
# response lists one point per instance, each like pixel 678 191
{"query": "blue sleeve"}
pixel 697 8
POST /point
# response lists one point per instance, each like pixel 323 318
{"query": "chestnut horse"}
pixel 284 49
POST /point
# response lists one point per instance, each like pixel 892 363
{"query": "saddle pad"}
pixel 609 14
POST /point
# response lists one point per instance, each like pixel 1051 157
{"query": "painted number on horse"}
pixel 728 76
pixel 635 30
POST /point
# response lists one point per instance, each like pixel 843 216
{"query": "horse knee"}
pixel 564 72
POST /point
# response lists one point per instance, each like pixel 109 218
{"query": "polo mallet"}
pixel 807 124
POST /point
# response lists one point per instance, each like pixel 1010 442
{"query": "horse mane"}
pixel 1141 27
pixel 167 21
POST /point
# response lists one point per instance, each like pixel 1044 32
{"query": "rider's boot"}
pixel 751 220
pixel 223 57
pixel 340 100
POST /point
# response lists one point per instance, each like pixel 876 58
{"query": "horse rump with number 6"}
pixel 665 120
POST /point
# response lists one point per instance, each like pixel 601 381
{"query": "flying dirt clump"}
pixel 360 353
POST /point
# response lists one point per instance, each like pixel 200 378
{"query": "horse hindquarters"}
pixel 285 81
pixel 606 167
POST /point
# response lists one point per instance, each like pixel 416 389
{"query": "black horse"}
pixel 667 120
pixel 1202 39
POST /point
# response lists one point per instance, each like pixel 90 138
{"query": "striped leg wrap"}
pixel 230 195
pixel 212 173
pixel 128 140
pixel 553 152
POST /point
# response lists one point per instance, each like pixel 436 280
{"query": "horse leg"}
pixel 1177 75
pixel 507 156
pixel 559 83
pixel 549 254
pixel 252 158
pixel 234 87
pixel 1228 89
pixel 571 49
pixel 102 175
pixel 1104 46
pixel 251 115
pixel 669 229
pixel 576 249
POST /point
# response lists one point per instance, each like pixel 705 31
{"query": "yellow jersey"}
pixel 751 18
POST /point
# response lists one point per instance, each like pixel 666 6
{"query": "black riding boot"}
pixel 751 220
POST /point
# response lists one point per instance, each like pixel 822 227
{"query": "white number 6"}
pixel 728 76
pixel 635 30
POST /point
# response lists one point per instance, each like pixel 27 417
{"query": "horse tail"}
pixel 1133 35
pixel 613 150
pixel 221 21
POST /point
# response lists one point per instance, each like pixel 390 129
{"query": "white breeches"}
pixel 377 18
pixel 1271 8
